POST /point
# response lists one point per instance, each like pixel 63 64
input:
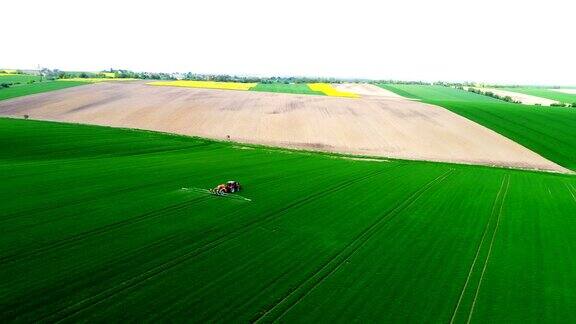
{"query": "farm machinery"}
pixel 227 188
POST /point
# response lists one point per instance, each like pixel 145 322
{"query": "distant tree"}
pixel 493 95
pixel 64 75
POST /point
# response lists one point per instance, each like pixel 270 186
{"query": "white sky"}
pixel 503 41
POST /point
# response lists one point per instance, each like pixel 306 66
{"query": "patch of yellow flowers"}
pixel 329 90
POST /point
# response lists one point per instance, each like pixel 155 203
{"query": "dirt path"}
pixel 373 126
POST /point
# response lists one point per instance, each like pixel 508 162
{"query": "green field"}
pixel 545 93
pixel 297 88
pixel 17 78
pixel 38 87
pixel 548 131
pixel 95 227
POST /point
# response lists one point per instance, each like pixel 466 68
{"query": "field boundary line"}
pixel 348 251
pixel 489 250
pixel 471 270
pixel 161 268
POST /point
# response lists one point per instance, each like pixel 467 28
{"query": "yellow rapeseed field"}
pixel 206 84
pixel 329 90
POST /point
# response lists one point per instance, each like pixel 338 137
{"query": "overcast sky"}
pixel 503 41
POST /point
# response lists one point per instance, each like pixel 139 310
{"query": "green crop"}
pixel 296 88
pixel 17 78
pixel 96 227
pixel 38 87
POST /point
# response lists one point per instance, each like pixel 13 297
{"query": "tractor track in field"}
pixel 270 285
pixel 104 229
pixel 84 304
pixel 498 203
pixel 572 190
pixel 263 290
pixel 501 207
pixel 122 256
pixel 297 294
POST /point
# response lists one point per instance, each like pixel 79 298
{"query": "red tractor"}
pixel 228 188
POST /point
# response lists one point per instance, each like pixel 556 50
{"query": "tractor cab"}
pixel 232 186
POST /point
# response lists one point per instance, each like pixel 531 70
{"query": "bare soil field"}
pixel 374 126
pixel 523 98
pixel 365 89
pixel 568 91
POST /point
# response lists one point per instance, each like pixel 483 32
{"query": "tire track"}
pixel 489 250
pixel 94 300
pixel 269 286
pixel 471 270
pixel 297 294
pixel 101 230
pixel 107 228
pixel 572 190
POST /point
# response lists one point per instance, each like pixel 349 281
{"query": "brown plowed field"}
pixel 375 126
